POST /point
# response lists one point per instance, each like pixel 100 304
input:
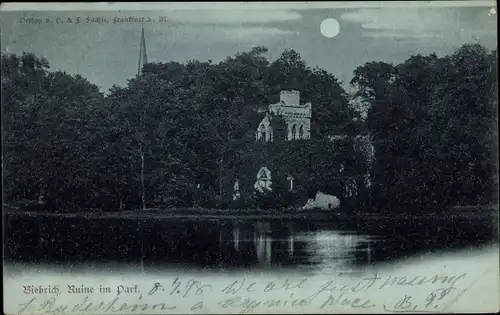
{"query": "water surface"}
pixel 322 246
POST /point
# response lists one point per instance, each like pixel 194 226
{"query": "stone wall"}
pixel 313 164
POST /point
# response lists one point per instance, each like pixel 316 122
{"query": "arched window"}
pixel 301 132
pixel 270 134
pixel 290 182
pixel 262 133
pixel 294 132
pixel 264 180
pixel 236 190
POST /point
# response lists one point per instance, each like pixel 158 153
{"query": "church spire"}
pixel 143 56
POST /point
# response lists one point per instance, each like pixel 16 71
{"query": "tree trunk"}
pixel 120 200
pixel 143 193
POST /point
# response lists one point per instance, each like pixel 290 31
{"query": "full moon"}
pixel 330 28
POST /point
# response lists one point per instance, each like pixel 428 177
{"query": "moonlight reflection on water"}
pixel 316 247
pixel 332 250
pixel 321 250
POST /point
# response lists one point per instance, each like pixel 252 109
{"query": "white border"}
pixel 130 6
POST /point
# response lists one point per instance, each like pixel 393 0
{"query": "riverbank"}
pixel 478 212
pixel 192 214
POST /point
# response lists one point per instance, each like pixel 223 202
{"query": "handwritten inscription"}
pixel 430 304
pixel 86 305
pixel 248 286
pixel 181 288
pixel 245 295
pixel 419 280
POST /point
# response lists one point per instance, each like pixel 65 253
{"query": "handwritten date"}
pixel 180 288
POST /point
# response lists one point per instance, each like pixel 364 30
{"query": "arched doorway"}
pixel 264 180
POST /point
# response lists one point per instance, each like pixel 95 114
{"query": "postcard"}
pixel 250 157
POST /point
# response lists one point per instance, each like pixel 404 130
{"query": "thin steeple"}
pixel 143 56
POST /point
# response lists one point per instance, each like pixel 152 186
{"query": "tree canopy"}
pixel 433 123
pixel 156 142
pixel 166 138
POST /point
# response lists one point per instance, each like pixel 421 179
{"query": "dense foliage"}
pixel 434 127
pixel 157 142
pixel 174 133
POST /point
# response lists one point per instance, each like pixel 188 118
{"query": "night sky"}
pixel 107 54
